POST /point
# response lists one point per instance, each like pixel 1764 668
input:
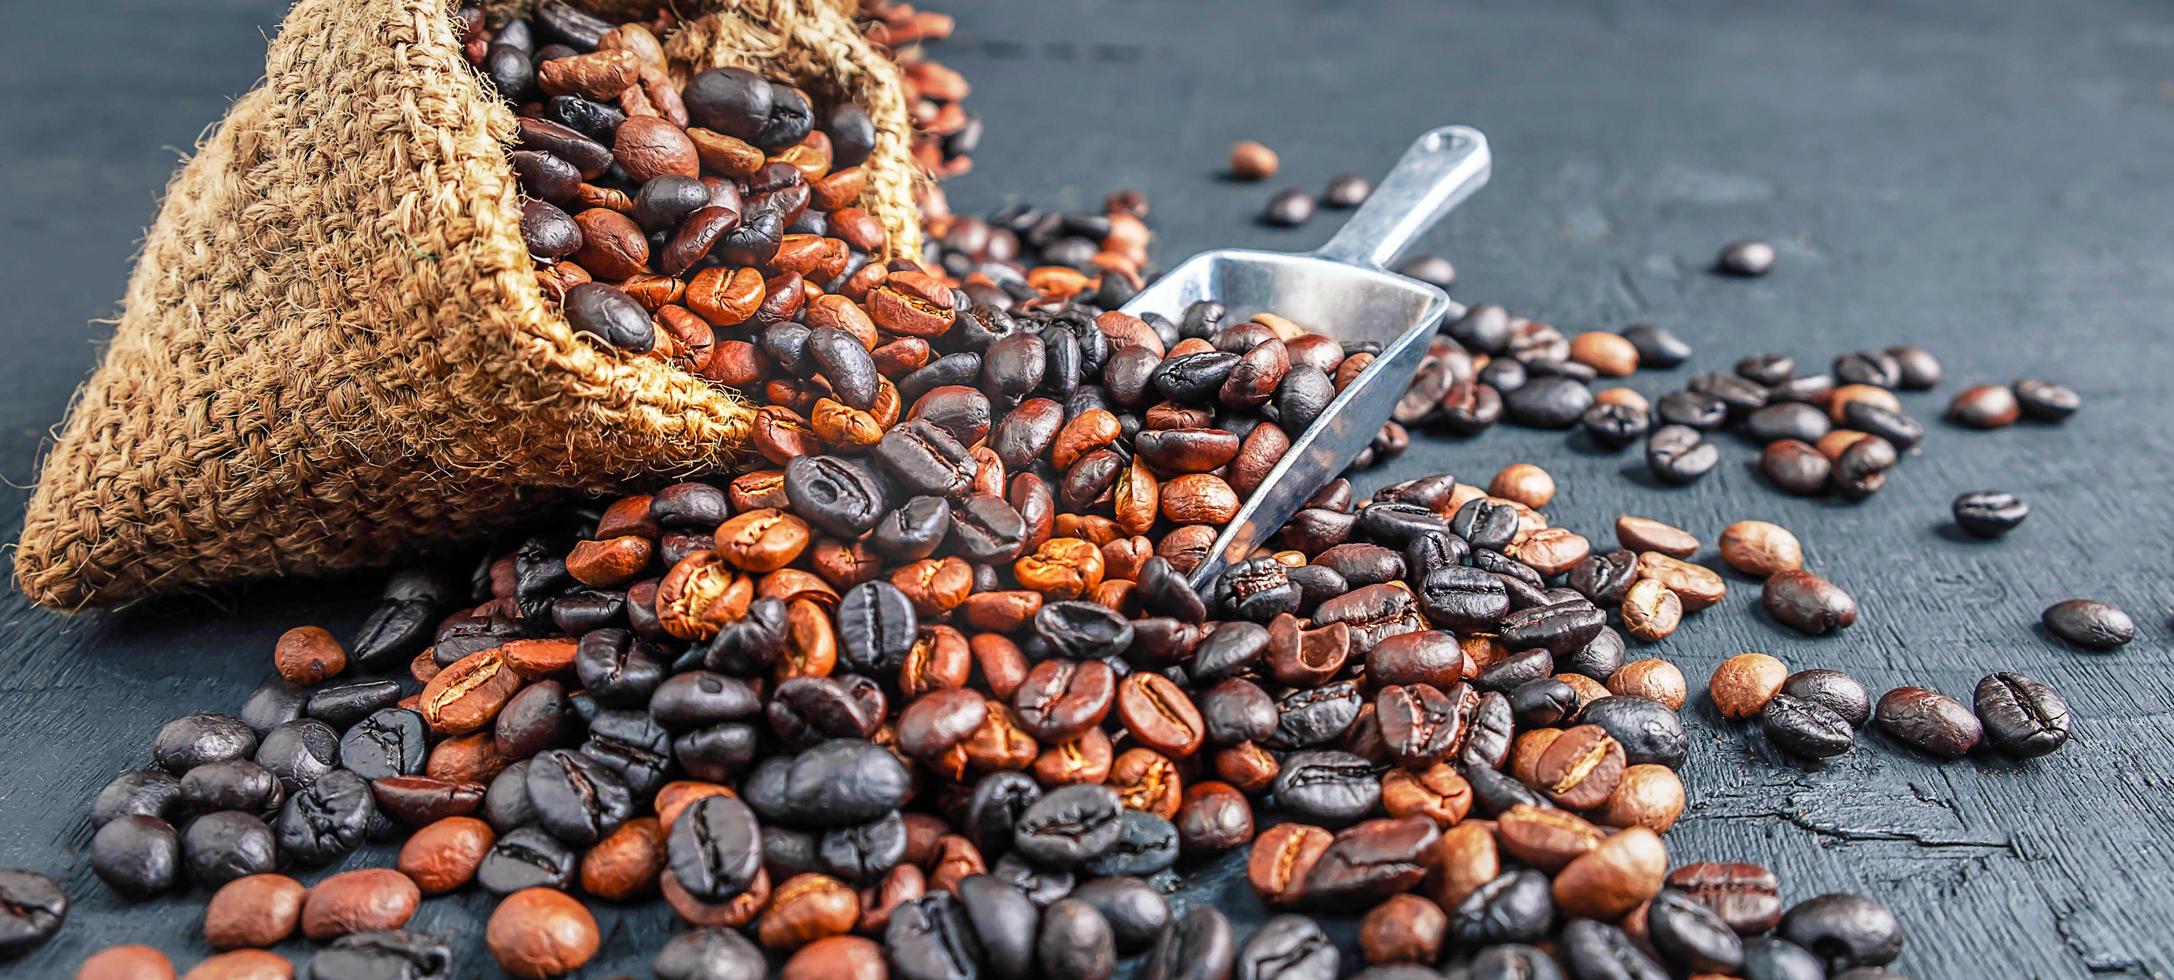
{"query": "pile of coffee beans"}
pixel 945 135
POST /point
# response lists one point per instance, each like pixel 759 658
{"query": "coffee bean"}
pixel 2022 716
pixel 1194 946
pixel 714 954
pixel 1989 513
pixel 1901 430
pixel 1422 724
pixel 1369 861
pixel 137 856
pixel 1787 420
pixel 1075 943
pixel 1548 403
pixel 715 848
pixel 2089 623
pixel 1288 208
pixel 1700 411
pixel 1844 930
pixel 1794 466
pixel 1327 786
pixel 1070 825
pixel 1805 728
pixel 1677 454
pixel 390 953
pixel 1836 691
pixel 1146 844
pixel 931 939
pixel 1513 907
pixel 1768 958
pixel 1746 257
pixel 191 741
pixel 326 819
pixel 1690 936
pixel 1807 602
pixel 1742 684
pixel 1928 721
pixel 539 932
pixel 1984 407
pixel 32 909
pixel 1646 729
pixel 220 847
pixel 1288 947
pixel 2045 400
pixel 1596 949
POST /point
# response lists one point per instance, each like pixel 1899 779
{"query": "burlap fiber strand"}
pixel 333 348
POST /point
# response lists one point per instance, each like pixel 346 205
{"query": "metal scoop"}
pixel 1343 290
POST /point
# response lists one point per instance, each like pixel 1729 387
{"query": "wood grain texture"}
pixel 1987 180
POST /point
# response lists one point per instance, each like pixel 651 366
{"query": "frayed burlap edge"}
pixel 333 348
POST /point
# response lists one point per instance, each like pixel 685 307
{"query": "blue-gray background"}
pixel 1990 180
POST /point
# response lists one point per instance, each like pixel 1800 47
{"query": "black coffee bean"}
pixel 1314 716
pixel 619 669
pixel 1494 792
pixel 699 698
pixel 342 705
pixel 1699 410
pixel 1230 648
pixel 1288 947
pixel 714 848
pixel 1042 884
pixel 1989 513
pixel 137 792
pixel 1647 730
pixel 136 855
pixel 1509 961
pixel 1081 630
pixel 790 120
pixel 1836 691
pixel 1677 454
pixel 1598 951
pixel 1768 958
pixel 1893 426
pixel 1004 921
pixel 836 495
pixel 1558 629
pixel 1484 522
pixel 629 743
pixel 1806 729
pixel 237 784
pixel 506 804
pixel 1658 347
pixel 32 909
pixel 1742 395
pixel 1396 524
pixel 577 799
pixel 806 711
pixel 1861 470
pixel 838 783
pixel 1548 403
pixel 1195 378
pixel 708 954
pixel 1514 907
pixel 987 530
pixel 993 812
pixel 1076 942
pixel 1543 702
pixel 1136 911
pixel 862 854
pixel 609 316
pixel 1598 659
pixel 2023 717
pixel 1504 375
pixel 2089 623
pixel 1197 945
pixel 1484 328
pixel 718 753
pixel 1516 670
pixel 274 703
pixel 876 628
pixel 1288 208
pixel 1928 721
pixel 1163 591
pixel 2046 401
pixel 1746 257
pixel 913 531
pixel 1146 843
pixel 1809 388
pixel 525 857
pixel 391 742
pixel 924 458
pixel 579 610
pixel 187 742
pixel 1788 420
pixel 1236 711
pixel 787 852
pixel 1767 370
pixel 930 938
pixel 1795 466
pixel 220 847
pixel 325 820
pixel 1614 426
pixel 732 101
pixel 1329 787
pixel 1605 577
pixel 1844 930
pixel 1070 825
pixel 1690 936
pixel 1867 367
pixel 1304 393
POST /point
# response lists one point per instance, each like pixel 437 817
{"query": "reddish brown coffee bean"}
pixel 939 658
pixel 540 932
pixel 911 303
pixel 1696 585
pixel 1646 534
pixel 1199 498
pixel 613 247
pixel 1062 568
pixel 1086 759
pixel 627 863
pixel 307 655
pixel 1618 875
pixel 467 695
pixel 690 599
pixel 471 758
pixel 131 962
pixel 1282 858
pixel 1610 355
pixel 255 910
pixel 1582 767
pixel 902 884
pixel 1984 407
pixel 1464 858
pixel 1061 699
pixel 807 907
pixel 539 657
pixel 1248 766
pixel 598 75
pixel 1545 838
pixel 1523 483
pixel 1525 752
pixel 1746 896
pixel 1650 796
pixel 936 586
pixel 762 540
pixel 444 855
pixel 1422 657
pixel 1807 602
pixel 1551 551
pixel 1436 792
pixel 837 958
pixel 1148 781
pixel 999 662
pixel 1159 714
pixel 1421 724
pixel 1137 497
pixel 242 964
pixel 1301 657
pixel 1760 548
pixel 1403 929
pixel 359 901
pixel 1744 683
pixel 939 721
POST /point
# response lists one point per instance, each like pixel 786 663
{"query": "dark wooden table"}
pixel 1991 183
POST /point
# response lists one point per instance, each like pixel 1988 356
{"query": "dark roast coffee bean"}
pixel 525 857
pixel 877 627
pixel 220 847
pixel 1700 410
pixel 185 743
pixel 708 954
pixel 1495 793
pixel 1861 470
pixel 1484 522
pixel 1471 409
pixel 1135 910
pixel 392 742
pixel 2046 401
pixel 1613 425
pixel 1768 958
pixel 1867 367
pixel 1288 208
pixel 137 856
pixel 1557 629
pixel 390 954
pixel 1237 711
pixel 32 909
pixel 987 530
pixel 913 531
pixel 1504 375
pixel 836 495
pixel 1836 691
pixel 1484 328
pixel 1070 825
pixel 1041 883
pixel 577 798
pixel 1516 670
pixel 718 753
pixel 1197 945
pixel 137 792
pixel 923 458
pixel 1928 721
pixel 2022 716
pixel 2089 623
pixel 1690 936
pixel 1513 961
pixel 861 854
pixel 1767 370
pixel 1605 577
pixel 1806 729
pixel 274 703
pixel 1370 861
pixel 1788 420
pixel 1083 630
pixel 1598 659
pixel 325 820
pixel 629 743
pixel 1807 602
pixel 610 317
pixel 930 938
pixel 1288 947
pixel 1544 702
pixel 992 814
pixel 1989 513
pixel 506 803
pixel 1515 906
pixel 1678 454
pixel 1746 257
pixel 618 669
pixel 237 784
pixel 1742 396
pixel 1794 466
pixel 1598 951
pixel 1899 429
pixel 1647 730
pixel 1075 943
pixel 1548 403
pixel 1146 844
pixel 715 848
pixel 699 698
pixel 1460 598
pixel 1005 922
pixel 1844 930
pixel 1314 716
pixel 1658 347
pixel 1328 787
pixel 342 705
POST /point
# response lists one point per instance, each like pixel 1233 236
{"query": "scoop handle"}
pixel 1440 170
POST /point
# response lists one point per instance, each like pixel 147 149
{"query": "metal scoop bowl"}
pixel 1343 290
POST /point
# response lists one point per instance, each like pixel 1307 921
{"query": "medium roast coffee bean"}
pixel 2022 716
pixel 1807 602
pixel 1807 729
pixel 1794 466
pixel 1928 721
pixel 1836 691
pixel 2089 623
pixel 1745 896
pixel 1370 861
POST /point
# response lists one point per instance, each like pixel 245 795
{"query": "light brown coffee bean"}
pixel 1545 838
pixel 1199 498
pixel 1437 792
pixel 838 958
pixel 1744 683
pixel 1651 611
pixel 1619 875
pixel 1282 857
pixel 1647 534
pixel 1523 483
pixel 762 540
pixel 1650 796
pixel 359 901
pixel 255 910
pixel 242 964
pixel 541 932
pixel 130 962
pixel 1610 355
pixel 1582 767
pixel 1697 585
pixel 1652 678
pixel 1551 551
pixel 1464 858
pixel 1760 548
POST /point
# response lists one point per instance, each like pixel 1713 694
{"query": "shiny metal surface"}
pixel 1341 290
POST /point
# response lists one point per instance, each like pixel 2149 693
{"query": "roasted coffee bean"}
pixel 1557 629
pixel 986 529
pixel 220 847
pixel 1070 825
pixel 1658 347
pixel 836 495
pixel 1146 843
pixel 1742 395
pixel 1548 402
pixel 1425 657
pixel 1746 897
pixel 1690 936
pixel 1134 910
pixel 191 741
pixel 1807 602
pixel 236 784
pixel 1422 724
pixel 2089 623
pixel 835 784
pixel 1768 958
pixel 1700 411
pixel 1646 729
pixel 1861 469
pixel 1514 907
pixel 1542 702
pixel 698 698
pixel 718 954
pixel 2022 716
pixel 993 812
pixel 137 792
pixel 388 953
pixel 617 668
pixel 924 458
pixel 1741 685
pixel 138 856
pixel 388 743
pixel 1599 659
pixel 1677 454
pixel 2045 400
pixel 1984 407
pixel 1795 467
pixel 539 932
pixel 715 848
pixel 1288 947
pixel 1989 513
pixel 1315 716
pixel 1898 429
pixel 913 531
pixel 1836 691
pixel 1197 945
pixel 1598 951
pixel 1928 721
pixel 930 938
pixel 1807 729
pixel 1787 420
pixel 1746 257
pixel 1075 943
pixel 1844 930
pixel 608 316
pixel 577 798
pixel 1043 885
pixel 1061 699
pixel 877 627
pixel 1370 861
pixel 1327 786
pixel 1288 208
pixel 1082 630
pixel 326 819
pixel 865 853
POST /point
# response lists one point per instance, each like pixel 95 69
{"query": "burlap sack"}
pixel 333 349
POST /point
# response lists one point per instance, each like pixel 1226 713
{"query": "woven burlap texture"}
pixel 333 349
